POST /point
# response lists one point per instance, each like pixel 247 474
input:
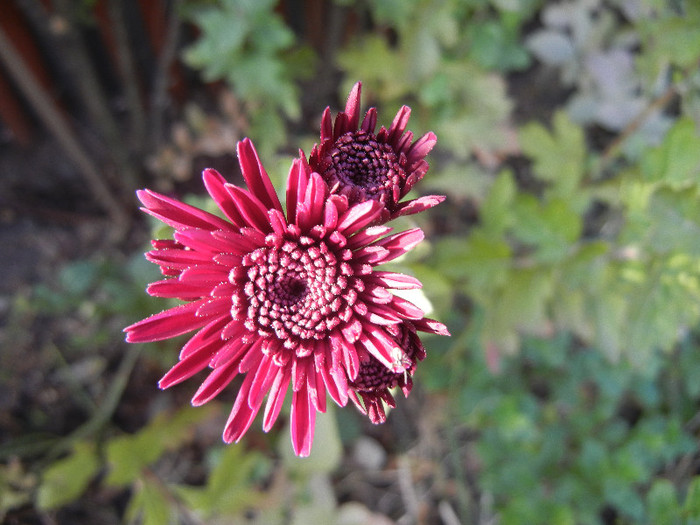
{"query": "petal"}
pixel 420 148
pixel 216 186
pixel 397 281
pixel 326 125
pixel 252 210
pixel 178 258
pixel 255 175
pixel 166 324
pixel 178 214
pixel 352 107
pixel 216 381
pixel 310 210
pixel 359 216
pixel 406 309
pixel 418 205
pixel 398 126
pixel 195 362
pixel 431 326
pixel 208 334
pixel 264 377
pixel 296 185
pixel 275 399
pixel 369 123
pixel 367 236
pixel 174 289
pixel 302 422
pixel 399 243
pixel 242 416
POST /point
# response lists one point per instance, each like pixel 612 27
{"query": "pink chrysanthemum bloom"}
pixel 371 389
pixel 284 300
pixel 363 165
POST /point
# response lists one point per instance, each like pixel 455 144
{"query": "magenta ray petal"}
pixel 302 420
pixel 242 415
pixel 195 362
pixel 276 396
pixel 169 323
pixel 216 186
pixel 418 205
pixel 399 243
pixel 398 281
pixel 255 175
pixel 178 214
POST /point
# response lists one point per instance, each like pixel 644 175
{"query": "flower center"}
pixel 362 168
pixel 294 289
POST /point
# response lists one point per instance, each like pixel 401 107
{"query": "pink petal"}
pixel 242 416
pixel 255 175
pixel 418 205
pixel 164 325
pixel 209 274
pixel 326 125
pixel 352 107
pixel 236 243
pixel 421 147
pixel 310 210
pixel 207 335
pixel 198 240
pixel 174 289
pixel 177 258
pixel 215 184
pixel 359 216
pixel 369 123
pixel 216 381
pixel 215 307
pixel 195 362
pixel 399 243
pixel 397 281
pixel 264 377
pixel 302 421
pixel 233 350
pixel 252 210
pixel 382 352
pixel 178 214
pixel 296 186
pixel 406 309
pixel 431 326
pixel 398 126
pixel 368 235
pixel 275 399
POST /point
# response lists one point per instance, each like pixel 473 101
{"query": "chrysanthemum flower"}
pixel 371 389
pixel 292 299
pixel 363 165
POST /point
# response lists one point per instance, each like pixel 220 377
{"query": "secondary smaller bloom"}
pixel 366 165
pixel 371 389
pixel 285 299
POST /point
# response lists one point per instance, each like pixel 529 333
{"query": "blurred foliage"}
pixel 245 43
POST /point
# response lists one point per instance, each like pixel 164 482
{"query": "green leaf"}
pixel 558 156
pixel 128 455
pixel 691 507
pixel 550 228
pixel 230 488
pixel 66 479
pixel 149 504
pixel 496 211
pixel 676 161
pixel 482 260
